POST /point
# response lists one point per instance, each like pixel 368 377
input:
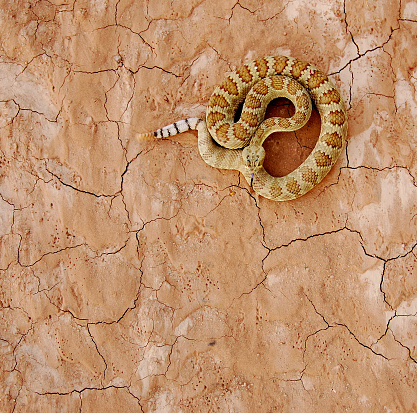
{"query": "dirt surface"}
pixel 136 278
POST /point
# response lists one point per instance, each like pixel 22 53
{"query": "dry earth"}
pixel 136 278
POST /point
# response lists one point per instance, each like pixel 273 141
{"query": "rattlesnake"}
pixel 220 139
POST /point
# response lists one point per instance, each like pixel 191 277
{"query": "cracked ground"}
pixel 136 278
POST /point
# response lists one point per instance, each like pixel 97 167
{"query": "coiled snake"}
pixel 228 145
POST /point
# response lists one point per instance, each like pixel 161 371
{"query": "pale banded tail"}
pixel 173 129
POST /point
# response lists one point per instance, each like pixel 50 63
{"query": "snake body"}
pixel 226 144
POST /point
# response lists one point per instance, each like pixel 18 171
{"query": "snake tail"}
pixel 172 129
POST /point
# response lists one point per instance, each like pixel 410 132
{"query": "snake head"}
pixel 253 157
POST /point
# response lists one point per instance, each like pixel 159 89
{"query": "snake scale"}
pixel 226 144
